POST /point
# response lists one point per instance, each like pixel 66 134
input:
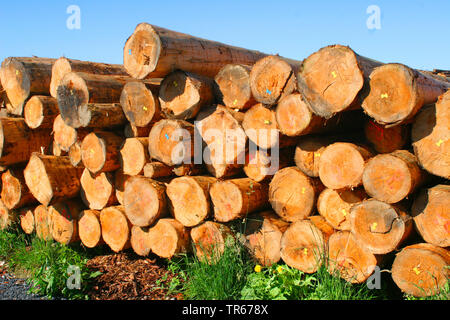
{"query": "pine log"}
pixel 189 200
pixel 421 269
pixel 18 142
pixel 273 78
pixel 261 165
pixel 304 244
pixel 134 155
pixel 42 223
pixel 22 78
pixel 63 66
pixel 431 215
pixel 430 137
pixel 115 228
pixel 342 165
pixel 183 94
pixel 66 136
pixel 263 232
pixel 293 195
pixel 144 200
pixel 100 151
pixel 89 228
pixel 64 221
pixel 26 217
pixel 51 179
pixel 7 217
pixel 233 86
pixel 131 131
pixel 75 154
pixel 140 103
pixel 119 183
pixel 396 93
pixel 236 198
pixel 392 177
pixel 335 206
pixel 386 140
pixel 15 193
pixel 40 112
pixel 308 151
pixel 97 190
pixel 169 238
pixel 331 79
pixel 209 240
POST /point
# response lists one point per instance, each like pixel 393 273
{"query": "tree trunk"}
pixel 15 193
pixel 421 269
pixel 261 165
pixel 51 179
pixel 22 78
pixel 386 140
pixel 40 112
pixel 18 142
pixel 140 241
pixel 144 200
pixel 263 232
pixel 342 165
pixel 7 217
pixel 64 221
pixel 394 176
pixel 189 170
pixel 155 169
pixel 140 103
pixel 115 228
pixel 189 199
pixel 183 94
pixel 236 198
pixel 26 216
pixel 396 93
pixel 75 154
pixel 308 151
pixel 97 190
pixel 233 87
pixel 431 215
pixel 335 206
pixel 134 156
pixel 63 66
pixel 100 151
pixel 304 244
pixel 89 228
pixel 66 136
pixel 101 115
pixel 42 223
pixel 209 240
pixel 169 238
pixel 119 183
pixel 331 79
pixel 273 78
pixel 131 131
pixel 293 195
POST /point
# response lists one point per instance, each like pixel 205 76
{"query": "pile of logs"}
pixel 336 159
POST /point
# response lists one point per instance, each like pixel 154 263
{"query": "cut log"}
pixel 233 86
pixel 155 169
pixel 331 78
pixel 144 200
pixel 154 52
pixel 7 217
pixel 134 156
pixel 40 112
pixel 42 223
pixel 335 206
pixel 119 183
pixel 183 94
pixel 380 227
pixel 304 244
pixel 172 142
pixel 15 193
pixel 189 170
pixel 421 269
pixel 18 142
pixel 63 66
pixel 26 217
pixel 140 103
pixel 131 131
pixel 293 194
pixel 22 78
pixel 273 78
pixel 75 154
pixel 51 179
pixel 140 241
pixel 236 198
pixel 342 165
pixel 89 228
pixel 189 199
pixel 169 238
pixel 392 177
pixel 209 240
pixel 431 215
pixel 430 137
pixel 386 140
pixel 64 221
pixel 308 151
pixel 97 190
pixel 100 151
pixel 101 115
pixel 115 228
pixel 261 127
pixel 66 136
pixel 396 93
pixel 261 165
pixel 263 232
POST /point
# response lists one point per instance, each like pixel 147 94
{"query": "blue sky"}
pixel 412 32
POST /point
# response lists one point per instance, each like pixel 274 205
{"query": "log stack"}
pixel 336 159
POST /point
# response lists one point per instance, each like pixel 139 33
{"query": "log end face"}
pixel 11 190
pixel 139 104
pixel 89 228
pixel 115 228
pixel 15 81
pixel 93 152
pixel 233 82
pixel 227 200
pixel 37 180
pixel 34 112
pixel 293 115
pixel 60 68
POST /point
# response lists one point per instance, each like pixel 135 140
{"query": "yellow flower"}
pixel 280 269
pixel 258 268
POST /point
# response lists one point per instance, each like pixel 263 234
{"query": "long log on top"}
pixel 396 93
pixel 25 77
pixel 15 193
pixel 40 112
pixel 154 52
pixel 63 66
pixel 331 79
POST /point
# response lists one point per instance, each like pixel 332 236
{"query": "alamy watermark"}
pixel 73 22
pixel 74 280
pixel 374 20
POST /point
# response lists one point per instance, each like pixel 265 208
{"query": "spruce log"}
pixel 75 154
pixel 386 140
pixel 140 241
pixel 134 156
pixel 308 151
pixel 42 223
pixel 169 238
pixel 119 183
pixel 100 151
pixel 97 190
pixel 15 193
pixel 115 228
pixel 26 217
pixel 64 221
pixel 209 240
pixel 261 165
pixel 66 136
pixel 155 169
pixel 40 112
pixel 89 228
